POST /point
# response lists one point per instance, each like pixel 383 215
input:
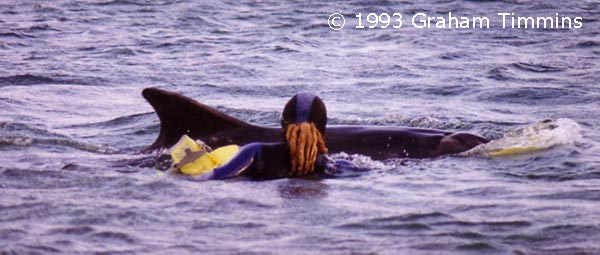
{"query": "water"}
pixel 72 119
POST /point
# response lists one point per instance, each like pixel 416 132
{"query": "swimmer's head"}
pixel 305 107
pixel 303 121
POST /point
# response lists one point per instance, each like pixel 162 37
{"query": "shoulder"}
pixel 272 161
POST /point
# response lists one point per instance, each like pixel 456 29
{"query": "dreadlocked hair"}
pixel 304 142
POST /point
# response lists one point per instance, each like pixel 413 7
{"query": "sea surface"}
pixel 72 123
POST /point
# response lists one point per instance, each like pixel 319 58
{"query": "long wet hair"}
pixel 303 121
pixel 304 142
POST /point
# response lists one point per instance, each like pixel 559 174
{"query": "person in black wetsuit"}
pixel 301 153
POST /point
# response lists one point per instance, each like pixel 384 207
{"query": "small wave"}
pixel 31 79
pixel 43 249
pixel 453 56
pixel 117 122
pixel 407 222
pixel 16 35
pixel 182 249
pixel 78 230
pixel 40 28
pixel 24 135
pixel 450 90
pixel 21 129
pixel 518 70
pixel 558 239
pixel 130 2
pixel 23 141
pixel 28 210
pixel 40 8
pixel 112 236
pixel 537 68
pixel 119 51
pixel 587 194
pixel 500 74
pixel 542 95
pixel 25 79
pixel 135 124
pixel 539 136
pixel 438 224
pixel 284 49
pixel 585 44
pixel 131 128
pixel 477 246
pixel 12 234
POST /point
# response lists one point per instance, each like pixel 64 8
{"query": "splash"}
pixel 362 161
pixel 531 138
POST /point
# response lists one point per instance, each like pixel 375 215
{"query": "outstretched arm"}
pixel 238 164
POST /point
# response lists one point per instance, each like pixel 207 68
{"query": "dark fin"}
pixel 181 115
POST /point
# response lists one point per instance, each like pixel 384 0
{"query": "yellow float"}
pixel 193 158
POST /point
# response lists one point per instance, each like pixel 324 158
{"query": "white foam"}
pixel 362 161
pixel 538 136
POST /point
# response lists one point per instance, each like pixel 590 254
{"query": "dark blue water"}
pixel 72 119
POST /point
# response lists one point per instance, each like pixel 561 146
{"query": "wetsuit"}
pixel 257 160
pixel 272 161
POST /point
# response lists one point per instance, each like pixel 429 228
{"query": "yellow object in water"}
pixel 192 158
pixel 512 151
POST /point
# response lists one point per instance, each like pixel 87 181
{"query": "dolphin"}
pixel 181 115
